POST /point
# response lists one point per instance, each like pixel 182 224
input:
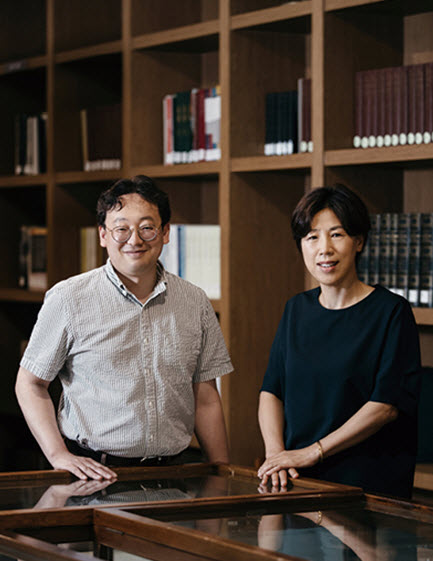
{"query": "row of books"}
pixel 193 254
pixel 191 126
pixel 30 143
pixel 394 106
pixel 288 120
pixel 399 255
pixel 33 258
pixel 101 137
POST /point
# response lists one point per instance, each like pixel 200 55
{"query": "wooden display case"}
pixel 134 52
pixel 202 512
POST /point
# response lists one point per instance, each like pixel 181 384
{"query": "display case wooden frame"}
pixel 136 51
pixel 146 529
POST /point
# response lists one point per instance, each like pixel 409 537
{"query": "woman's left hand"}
pixel 289 460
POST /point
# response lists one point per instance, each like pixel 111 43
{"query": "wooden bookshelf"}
pixel 78 54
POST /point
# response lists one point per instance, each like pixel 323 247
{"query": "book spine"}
pixel 381 108
pixel 389 108
pixel 414 258
pixel 426 261
pixel 293 119
pixel 404 105
pixel 359 107
pixel 300 123
pixel 385 249
pixel 396 96
pixel 420 103
pixel 367 101
pixel 428 109
pixel 393 252
pixel 374 108
pixel 23 257
pixel 374 253
pixel 307 105
pixel 37 258
pixel 403 254
pixel 269 133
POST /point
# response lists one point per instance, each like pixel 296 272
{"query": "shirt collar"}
pixel 160 286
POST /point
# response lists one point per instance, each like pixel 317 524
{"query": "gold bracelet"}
pixel 319 517
pixel 319 446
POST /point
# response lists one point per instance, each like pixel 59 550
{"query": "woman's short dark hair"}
pixel 344 203
pixel 140 184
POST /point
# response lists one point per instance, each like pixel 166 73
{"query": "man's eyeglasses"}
pixel 121 234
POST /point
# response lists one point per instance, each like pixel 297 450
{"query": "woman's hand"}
pixel 277 467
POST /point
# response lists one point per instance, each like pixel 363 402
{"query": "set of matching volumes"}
pixel 194 255
pixel 101 137
pixel 33 258
pixel 30 144
pixel 399 255
pixel 91 252
pixel 191 126
pixel 394 106
pixel 288 121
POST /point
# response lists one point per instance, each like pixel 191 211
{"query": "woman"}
pixel 339 397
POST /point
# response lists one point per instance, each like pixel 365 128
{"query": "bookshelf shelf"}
pixel 263 163
pixel 179 170
pixel 75 54
pixel 18 295
pixel 272 15
pixel 22 65
pixel 189 36
pixel 89 52
pixel 423 316
pixel 379 155
pixel 87 176
pixel 23 180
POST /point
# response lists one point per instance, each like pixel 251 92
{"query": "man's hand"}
pixel 82 467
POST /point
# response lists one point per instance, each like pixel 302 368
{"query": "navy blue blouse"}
pixel 326 364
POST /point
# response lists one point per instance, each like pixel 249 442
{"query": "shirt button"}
pixel 145 340
pixel 151 438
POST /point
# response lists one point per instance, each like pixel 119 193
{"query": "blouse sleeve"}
pixel 274 377
pixel 399 372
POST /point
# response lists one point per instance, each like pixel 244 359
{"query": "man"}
pixel 137 351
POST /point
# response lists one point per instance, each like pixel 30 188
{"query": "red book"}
pixel 389 107
pixel 419 117
pixel 358 110
pixel 415 74
pixel 428 102
pixel 404 104
pixel 381 108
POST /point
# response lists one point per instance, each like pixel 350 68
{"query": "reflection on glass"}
pixel 342 534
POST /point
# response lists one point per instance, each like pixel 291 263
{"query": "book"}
pixel 389 110
pixel 359 110
pixel 193 254
pixel 403 84
pixel 212 112
pixel 33 258
pixel 30 144
pixel 101 134
pixel 374 250
pixel 168 142
pixel 415 74
pixel 270 123
pixel 403 254
pixel 426 261
pixel 384 249
pixel 304 115
pixel 91 253
pixel 428 103
pixel 414 259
